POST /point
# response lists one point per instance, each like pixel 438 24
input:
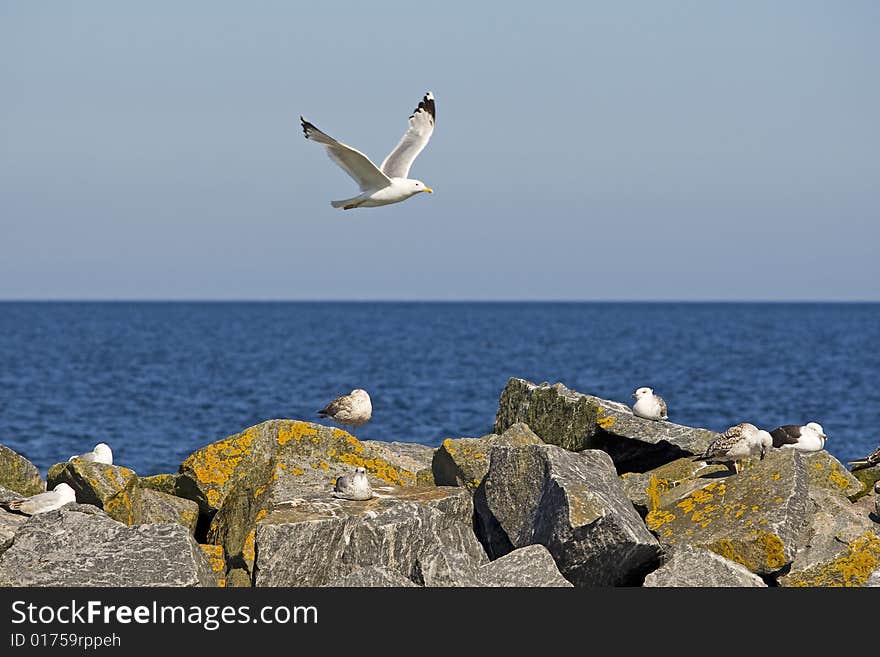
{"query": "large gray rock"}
pixel 532 565
pixel 465 461
pixel 79 545
pixel 755 518
pixel 9 524
pixel 19 474
pixel 316 539
pixel 840 547
pixel 825 471
pixel 159 507
pixel 645 489
pixel 873 579
pixel 110 487
pixel 576 421
pixel 573 504
pixel 411 458
pixel 692 566
pixel 373 576
pixel 440 566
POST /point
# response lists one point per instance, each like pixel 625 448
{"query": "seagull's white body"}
pixel 355 486
pixel 388 183
pixel 737 443
pixel 101 454
pixel 648 405
pixel 807 438
pixel 41 502
pixel 351 410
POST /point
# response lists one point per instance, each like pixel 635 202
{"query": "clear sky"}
pixel 583 150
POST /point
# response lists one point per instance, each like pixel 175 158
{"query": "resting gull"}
pixel 101 454
pixel 351 410
pixel 648 405
pixel 737 443
pixel 355 486
pixel 807 438
pixel 388 183
pixel 41 502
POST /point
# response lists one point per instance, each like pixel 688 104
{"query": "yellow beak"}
pixel 429 190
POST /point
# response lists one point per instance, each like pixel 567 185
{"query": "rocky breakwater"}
pixel 569 490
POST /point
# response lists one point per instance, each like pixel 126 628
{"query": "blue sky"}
pixel 590 150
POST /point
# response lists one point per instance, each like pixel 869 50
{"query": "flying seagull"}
pixel 388 183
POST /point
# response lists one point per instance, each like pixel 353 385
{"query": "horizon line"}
pixel 352 301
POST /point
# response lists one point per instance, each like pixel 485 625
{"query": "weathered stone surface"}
pixel 156 507
pixel 577 421
pixel 9 524
pixel 314 540
pixel 217 560
pixel 869 478
pixel 372 576
pixel 754 518
pixel 19 474
pixel 465 461
pixel 238 578
pixel 110 487
pixel 645 489
pixel 79 545
pixel 162 483
pixel 840 548
pixel 532 565
pixel 692 566
pixel 411 458
pixel 873 580
pixel 573 504
pixel 305 460
pixel 440 566
pixel 306 456
pixel 825 471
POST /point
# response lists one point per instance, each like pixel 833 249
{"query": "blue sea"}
pixel 158 380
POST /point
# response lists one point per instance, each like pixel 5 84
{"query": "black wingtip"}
pixel 306 126
pixel 426 105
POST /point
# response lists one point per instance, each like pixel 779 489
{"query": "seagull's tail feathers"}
pixel 348 203
pixel 859 465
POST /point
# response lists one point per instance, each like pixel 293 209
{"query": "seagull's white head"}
pixel 361 470
pixel 66 492
pixel 643 392
pixel 103 452
pixel 417 186
pixel 360 393
pixel 815 426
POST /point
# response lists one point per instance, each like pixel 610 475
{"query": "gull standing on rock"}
pixel 101 454
pixel 355 486
pixel 807 438
pixel 648 405
pixel 41 502
pixel 351 410
pixel 870 460
pixel 737 443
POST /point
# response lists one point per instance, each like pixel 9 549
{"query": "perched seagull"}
pixel 41 502
pixel 353 486
pixel 807 438
pixel 870 460
pixel 101 454
pixel 388 183
pixel 351 410
pixel 648 405
pixel 737 443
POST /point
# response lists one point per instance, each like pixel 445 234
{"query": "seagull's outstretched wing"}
pixel 421 126
pixel 353 162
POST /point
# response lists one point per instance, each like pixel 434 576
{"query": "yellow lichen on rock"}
pixel 217 561
pixel 656 518
pixel 773 548
pixel 295 431
pixel 850 569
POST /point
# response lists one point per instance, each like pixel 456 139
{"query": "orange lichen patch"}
pixel 120 507
pixel 657 518
pixel 778 500
pixel 296 431
pixel 850 569
pixel 701 496
pixel 656 488
pixel 837 478
pixel 262 513
pixel 381 469
pixel 350 439
pixel 215 464
pixel 606 422
pixel 259 491
pixel 447 445
pixel 774 550
pixel 247 550
pixel 704 516
pixel 776 476
pixel 297 471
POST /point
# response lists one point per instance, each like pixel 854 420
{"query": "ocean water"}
pixel 158 380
